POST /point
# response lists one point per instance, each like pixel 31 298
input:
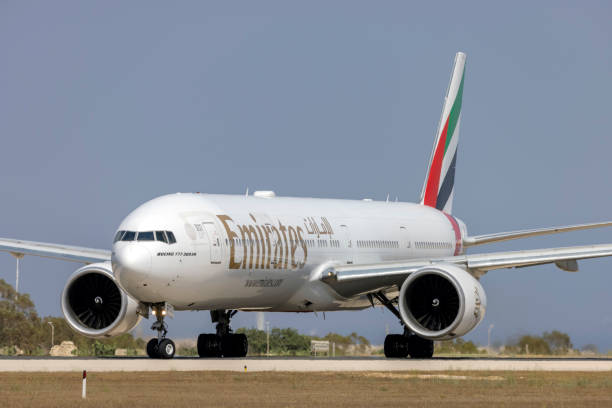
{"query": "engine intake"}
pixel 441 302
pixel 95 306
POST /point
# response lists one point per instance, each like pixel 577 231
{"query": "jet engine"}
pixel 95 306
pixel 441 302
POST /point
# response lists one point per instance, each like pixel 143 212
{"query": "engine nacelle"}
pixel 441 302
pixel 95 306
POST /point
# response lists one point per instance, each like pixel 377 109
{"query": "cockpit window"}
pixel 161 236
pixel 171 239
pixel 146 236
pixel 118 236
pixel 128 236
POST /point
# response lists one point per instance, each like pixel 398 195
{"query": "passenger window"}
pixel 171 238
pixel 128 236
pixel 161 236
pixel 146 236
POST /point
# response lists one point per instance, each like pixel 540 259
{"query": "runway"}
pixel 58 364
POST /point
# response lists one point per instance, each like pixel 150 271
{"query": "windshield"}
pixel 146 236
pixel 128 236
pixel 161 236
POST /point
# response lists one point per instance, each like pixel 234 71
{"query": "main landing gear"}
pixel 224 343
pixel 160 347
pixel 407 344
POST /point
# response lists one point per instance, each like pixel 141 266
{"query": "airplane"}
pixel 262 252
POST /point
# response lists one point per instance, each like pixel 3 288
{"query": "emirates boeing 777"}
pixel 261 252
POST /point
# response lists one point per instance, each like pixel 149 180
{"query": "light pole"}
pixel 52 333
pixel 489 336
pixel 268 339
pixel 18 256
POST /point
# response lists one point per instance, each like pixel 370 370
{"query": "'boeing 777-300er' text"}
pixel 260 252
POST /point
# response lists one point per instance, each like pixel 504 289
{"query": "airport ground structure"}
pixel 118 364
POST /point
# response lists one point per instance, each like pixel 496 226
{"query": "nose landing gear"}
pixel 224 343
pixel 160 347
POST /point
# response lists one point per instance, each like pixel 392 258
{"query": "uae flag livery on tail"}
pixel 440 181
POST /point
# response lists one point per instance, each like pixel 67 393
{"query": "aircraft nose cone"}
pixel 131 265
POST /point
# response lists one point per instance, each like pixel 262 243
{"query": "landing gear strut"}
pixel 224 343
pixel 160 347
pixel 407 344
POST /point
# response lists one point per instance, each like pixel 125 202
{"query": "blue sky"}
pixel 107 105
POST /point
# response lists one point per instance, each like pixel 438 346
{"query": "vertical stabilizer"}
pixel 439 184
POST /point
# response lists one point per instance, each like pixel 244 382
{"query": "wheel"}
pixel 396 346
pixel 152 348
pixel 166 349
pixel 390 346
pixel 227 345
pixel 234 345
pixel 241 345
pixel 419 347
pixel 208 345
pixel 202 345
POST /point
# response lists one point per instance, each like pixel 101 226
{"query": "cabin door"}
pixel 214 240
pixel 347 244
pixel 405 242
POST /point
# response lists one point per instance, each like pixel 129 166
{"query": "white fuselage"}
pixel 267 253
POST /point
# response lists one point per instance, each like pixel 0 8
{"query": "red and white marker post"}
pixel 84 395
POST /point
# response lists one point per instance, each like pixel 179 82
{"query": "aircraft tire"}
pixel 396 346
pixel 208 345
pixel 419 347
pixel 166 349
pixel 234 345
pixel 241 345
pixel 152 351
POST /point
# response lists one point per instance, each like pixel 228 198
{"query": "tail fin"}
pixel 439 184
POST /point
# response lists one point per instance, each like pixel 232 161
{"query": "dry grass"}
pixel 281 389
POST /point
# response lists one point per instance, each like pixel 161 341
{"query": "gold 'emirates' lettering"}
pixel 231 235
pixel 257 246
pixel 278 249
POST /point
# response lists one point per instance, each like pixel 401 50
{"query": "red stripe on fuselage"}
pixel 433 181
pixel 458 239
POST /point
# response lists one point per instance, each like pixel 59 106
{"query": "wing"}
pixel 353 280
pixel 55 251
pixel 506 236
